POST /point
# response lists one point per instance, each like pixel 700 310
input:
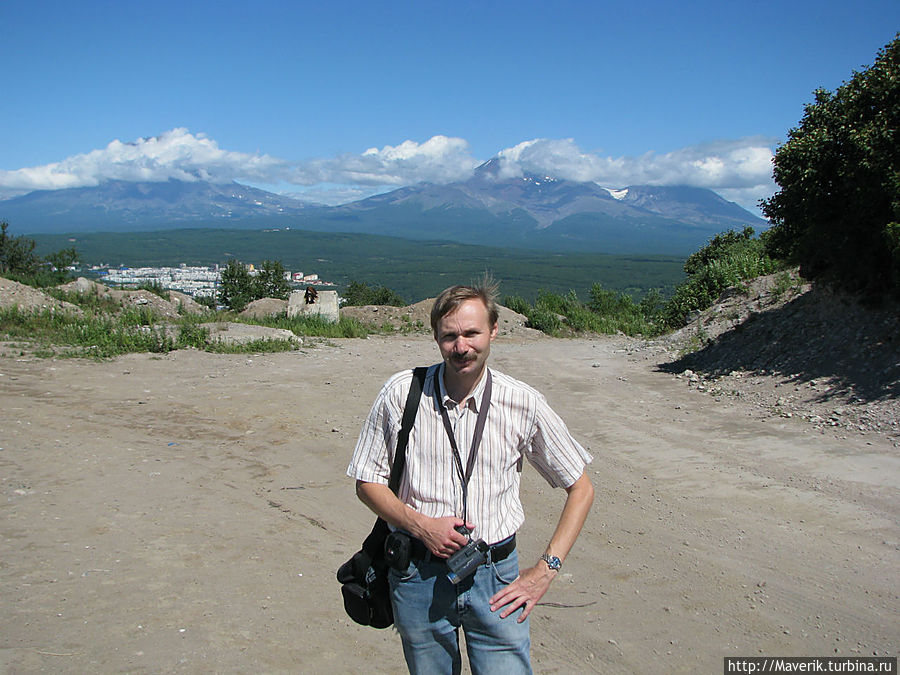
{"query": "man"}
pixel 442 491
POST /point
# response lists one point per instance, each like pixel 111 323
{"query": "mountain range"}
pixel 527 211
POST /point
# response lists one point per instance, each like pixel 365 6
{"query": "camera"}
pixel 396 550
pixel 466 560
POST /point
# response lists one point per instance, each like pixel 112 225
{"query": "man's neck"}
pixel 460 388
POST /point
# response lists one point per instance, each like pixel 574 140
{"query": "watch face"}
pixel 552 561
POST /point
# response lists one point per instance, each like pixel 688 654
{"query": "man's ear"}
pixel 494 330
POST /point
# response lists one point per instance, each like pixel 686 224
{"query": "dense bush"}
pixel 238 288
pixel 838 208
pixel 359 293
pixel 726 260
pixel 19 262
pixel 607 312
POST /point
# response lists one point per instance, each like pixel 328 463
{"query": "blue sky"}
pixel 343 99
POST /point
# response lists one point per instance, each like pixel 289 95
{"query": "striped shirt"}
pixel 520 425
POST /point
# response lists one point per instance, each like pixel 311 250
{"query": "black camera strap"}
pixel 464 476
pixel 406 425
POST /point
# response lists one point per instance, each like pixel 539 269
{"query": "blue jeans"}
pixel 429 610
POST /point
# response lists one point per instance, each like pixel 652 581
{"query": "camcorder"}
pixel 462 564
pixel 466 560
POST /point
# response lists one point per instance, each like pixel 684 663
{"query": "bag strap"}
pixel 406 425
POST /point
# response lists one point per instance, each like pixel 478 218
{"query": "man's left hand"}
pixel 525 592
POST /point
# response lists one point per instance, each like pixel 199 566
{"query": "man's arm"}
pixel 437 533
pixel 531 584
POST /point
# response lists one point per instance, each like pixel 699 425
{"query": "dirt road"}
pixel 186 513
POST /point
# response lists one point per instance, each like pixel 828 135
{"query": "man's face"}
pixel 464 337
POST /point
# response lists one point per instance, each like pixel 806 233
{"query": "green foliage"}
pixel 359 293
pixel 191 333
pixel 207 301
pixel 90 301
pixel 236 288
pixel 312 325
pixel 728 259
pixel 607 312
pixel 99 336
pixel 16 254
pixel 720 247
pixel 784 282
pixel 271 281
pixel 517 304
pixel 19 262
pixel 261 346
pixel 62 260
pixel 839 179
pixel 545 321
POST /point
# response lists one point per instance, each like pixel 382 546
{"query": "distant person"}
pixel 460 495
pixel 311 295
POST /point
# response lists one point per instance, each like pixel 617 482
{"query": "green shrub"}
pixel 544 321
pixel 359 293
pixel 312 325
pixel 516 303
pixel 839 180
pixel 728 259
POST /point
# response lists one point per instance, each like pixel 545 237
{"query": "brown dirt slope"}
pixel 804 351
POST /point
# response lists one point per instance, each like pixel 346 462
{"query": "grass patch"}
pixel 316 326
pixel 261 346
pixel 94 334
pixel 87 335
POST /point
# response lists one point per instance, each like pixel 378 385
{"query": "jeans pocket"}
pixel 407 574
pixel 507 570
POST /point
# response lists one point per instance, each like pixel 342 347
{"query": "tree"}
pixel 359 293
pixel 271 281
pixel 236 286
pixel 838 206
pixel 61 261
pixel 16 254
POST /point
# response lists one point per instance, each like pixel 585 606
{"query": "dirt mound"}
pixel 265 307
pixel 417 317
pixel 242 333
pixel 178 304
pixel 28 299
pixel 805 351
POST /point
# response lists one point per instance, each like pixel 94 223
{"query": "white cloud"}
pixel 740 170
pixel 440 159
pixel 174 154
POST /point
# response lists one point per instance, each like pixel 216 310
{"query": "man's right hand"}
pixel 440 535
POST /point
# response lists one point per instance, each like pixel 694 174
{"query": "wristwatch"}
pixel 552 561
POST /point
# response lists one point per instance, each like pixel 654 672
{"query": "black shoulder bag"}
pixel 364 578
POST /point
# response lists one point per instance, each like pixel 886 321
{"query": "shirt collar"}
pixel 474 398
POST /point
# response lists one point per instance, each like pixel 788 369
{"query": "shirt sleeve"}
pixel 554 452
pixel 372 457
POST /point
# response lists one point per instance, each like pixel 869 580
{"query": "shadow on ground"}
pixel 818 335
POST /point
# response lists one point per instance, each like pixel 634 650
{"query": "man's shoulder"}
pixel 401 380
pixel 508 383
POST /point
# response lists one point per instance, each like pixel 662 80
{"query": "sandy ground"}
pixel 187 513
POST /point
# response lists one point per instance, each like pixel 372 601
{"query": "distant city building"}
pixel 195 281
